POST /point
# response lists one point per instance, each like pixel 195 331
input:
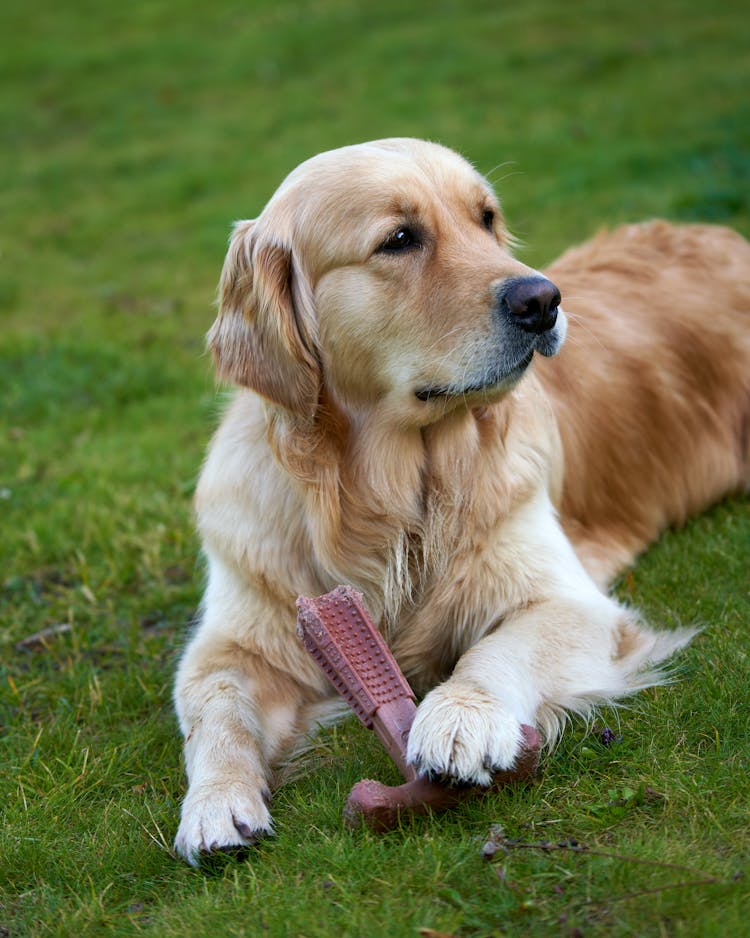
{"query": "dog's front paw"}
pixel 220 818
pixel 463 733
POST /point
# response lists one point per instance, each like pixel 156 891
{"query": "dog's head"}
pixel 382 272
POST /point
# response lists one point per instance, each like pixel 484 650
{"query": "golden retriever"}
pixel 394 430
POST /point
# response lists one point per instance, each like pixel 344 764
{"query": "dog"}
pixel 404 424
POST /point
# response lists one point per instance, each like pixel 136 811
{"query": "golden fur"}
pixel 384 437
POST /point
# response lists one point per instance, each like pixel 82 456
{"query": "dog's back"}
pixel 652 391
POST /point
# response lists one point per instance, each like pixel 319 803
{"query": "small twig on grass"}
pixel 709 881
pixel 497 841
pixel 42 638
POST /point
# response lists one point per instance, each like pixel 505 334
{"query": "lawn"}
pixel 132 136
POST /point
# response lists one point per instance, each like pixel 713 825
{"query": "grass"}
pixel 131 136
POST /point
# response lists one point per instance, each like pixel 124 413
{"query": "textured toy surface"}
pixel 341 637
pixel 339 634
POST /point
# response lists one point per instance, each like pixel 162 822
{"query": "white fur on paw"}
pixel 217 817
pixel 464 733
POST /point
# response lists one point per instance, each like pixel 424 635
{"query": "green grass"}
pixel 130 137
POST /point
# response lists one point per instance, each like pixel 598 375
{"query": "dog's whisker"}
pixel 581 324
pixel 456 330
pixel 490 176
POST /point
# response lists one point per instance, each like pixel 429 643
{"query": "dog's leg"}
pixel 238 714
pixel 562 656
pixel 567 651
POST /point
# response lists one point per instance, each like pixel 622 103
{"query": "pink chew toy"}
pixel 339 634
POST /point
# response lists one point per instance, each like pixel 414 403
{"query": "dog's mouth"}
pixel 492 382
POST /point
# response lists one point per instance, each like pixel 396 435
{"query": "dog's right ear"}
pixel 258 340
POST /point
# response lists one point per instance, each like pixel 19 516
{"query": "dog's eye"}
pixel 488 219
pixel 400 240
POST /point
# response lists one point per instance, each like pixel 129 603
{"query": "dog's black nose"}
pixel 532 302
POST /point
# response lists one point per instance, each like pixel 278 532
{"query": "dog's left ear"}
pixel 260 339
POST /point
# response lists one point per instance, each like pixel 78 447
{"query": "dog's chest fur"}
pixel 426 531
pixel 422 524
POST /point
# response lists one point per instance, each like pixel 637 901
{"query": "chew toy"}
pixel 339 634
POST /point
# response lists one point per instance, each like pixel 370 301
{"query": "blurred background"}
pixel 133 134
